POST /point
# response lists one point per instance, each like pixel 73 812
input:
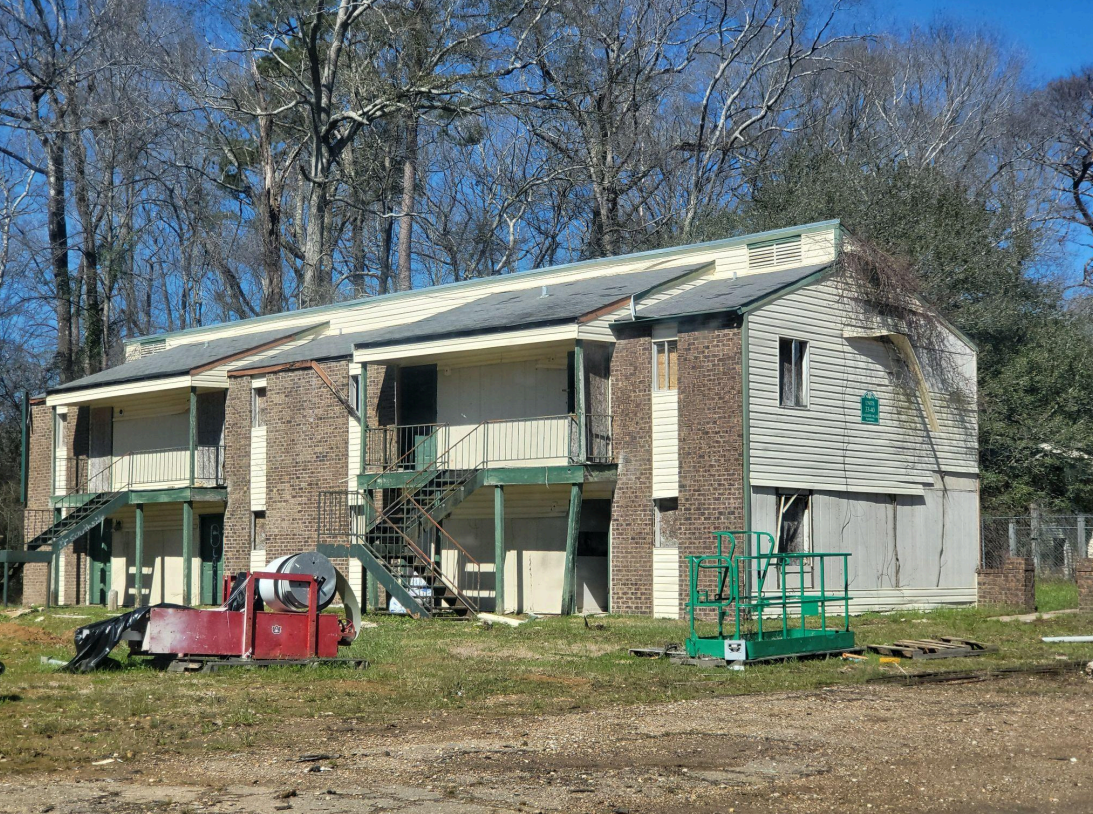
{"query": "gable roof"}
pixel 727 294
pixel 530 307
pixel 184 359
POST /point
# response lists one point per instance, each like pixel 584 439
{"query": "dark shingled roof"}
pixel 564 302
pixel 328 346
pixel 182 359
pixel 726 294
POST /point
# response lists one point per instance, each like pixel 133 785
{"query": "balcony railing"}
pixel 144 469
pixel 537 441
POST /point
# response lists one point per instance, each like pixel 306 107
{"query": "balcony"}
pixel 561 440
pixel 146 469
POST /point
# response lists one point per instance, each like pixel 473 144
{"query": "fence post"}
pixel 1083 543
pixel 1013 538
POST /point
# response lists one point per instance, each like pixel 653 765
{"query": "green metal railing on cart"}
pixel 775 610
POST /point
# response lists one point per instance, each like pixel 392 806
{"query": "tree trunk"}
pixel 273 284
pixel 406 219
pixel 316 290
pixel 57 228
pixel 93 324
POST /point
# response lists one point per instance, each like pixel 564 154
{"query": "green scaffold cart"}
pixel 768 605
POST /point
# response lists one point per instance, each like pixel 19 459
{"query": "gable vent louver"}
pixel 781 252
pixel 148 348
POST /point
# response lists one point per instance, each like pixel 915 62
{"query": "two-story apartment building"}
pixel 550 441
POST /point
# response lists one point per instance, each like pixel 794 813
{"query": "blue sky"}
pixel 1052 33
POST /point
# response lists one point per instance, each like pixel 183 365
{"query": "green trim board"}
pixel 197 494
pixel 12 556
pixel 509 476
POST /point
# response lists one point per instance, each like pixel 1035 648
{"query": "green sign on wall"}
pixel 870 408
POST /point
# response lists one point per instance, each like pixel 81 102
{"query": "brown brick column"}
pixel 1084 573
pixel 711 437
pixel 237 511
pixel 1013 585
pixel 38 493
pixel 307 449
pixel 632 506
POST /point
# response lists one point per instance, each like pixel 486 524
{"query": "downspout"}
pixel 24 457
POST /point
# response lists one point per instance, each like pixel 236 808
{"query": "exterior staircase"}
pixel 79 521
pixel 398 537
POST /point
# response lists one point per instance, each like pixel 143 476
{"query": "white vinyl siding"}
pixel 828 446
pixel 666 583
pixel 258 469
pixel 665 443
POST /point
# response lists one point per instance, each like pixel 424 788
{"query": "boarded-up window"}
pixel 258 531
pixel 666 522
pixel 258 407
pixel 665 368
pixel 794 523
pixel 792 373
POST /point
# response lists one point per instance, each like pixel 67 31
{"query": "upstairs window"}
pixel 258 407
pixel 792 373
pixel 355 390
pixel 665 365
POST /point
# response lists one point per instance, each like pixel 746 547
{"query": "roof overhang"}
pixel 469 344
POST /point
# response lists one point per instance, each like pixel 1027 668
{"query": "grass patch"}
pixel 1056 594
pixel 420 669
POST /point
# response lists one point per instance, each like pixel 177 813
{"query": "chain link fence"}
pixel 1054 542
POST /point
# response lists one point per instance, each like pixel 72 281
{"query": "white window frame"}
pixel 662 346
pixel 805 370
pixel 257 407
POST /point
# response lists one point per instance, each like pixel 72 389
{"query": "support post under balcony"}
pixel 569 577
pixel 187 549
pixel 499 547
pixel 56 564
pixel 138 556
pixel 193 432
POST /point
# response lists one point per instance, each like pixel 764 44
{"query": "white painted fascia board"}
pixel 460 344
pixel 116 390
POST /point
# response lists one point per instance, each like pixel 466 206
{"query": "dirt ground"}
pixel 1014 745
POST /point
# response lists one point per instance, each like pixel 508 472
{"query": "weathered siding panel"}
pixel 826 445
pixel 666 583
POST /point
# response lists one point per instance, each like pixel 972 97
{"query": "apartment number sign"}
pixel 870 408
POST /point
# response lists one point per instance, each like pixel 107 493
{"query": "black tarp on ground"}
pixel 95 641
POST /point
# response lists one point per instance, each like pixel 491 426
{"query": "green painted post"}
pixel 187 549
pixel 6 567
pixel 499 547
pixel 138 556
pixel 24 458
pixel 193 433
pixel 56 564
pixel 579 401
pixel 569 578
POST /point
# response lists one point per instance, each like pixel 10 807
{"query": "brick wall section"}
pixel 307 448
pixel 711 437
pixel 38 492
pixel 1013 585
pixel 632 507
pixel 237 511
pixel 1084 573
pixel 381 395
